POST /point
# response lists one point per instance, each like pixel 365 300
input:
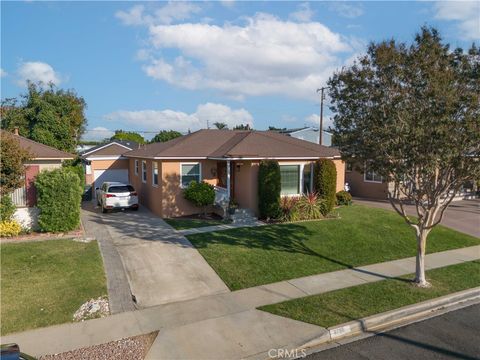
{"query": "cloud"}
pixel 314 119
pixel 98 133
pixel 264 56
pixel 3 73
pixel 465 13
pixel 347 10
pixel 303 14
pixel 181 121
pixel 172 11
pixel 37 71
pixel 228 3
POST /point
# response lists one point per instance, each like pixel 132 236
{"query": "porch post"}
pixel 228 180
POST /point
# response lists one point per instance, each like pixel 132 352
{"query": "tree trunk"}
pixel 420 279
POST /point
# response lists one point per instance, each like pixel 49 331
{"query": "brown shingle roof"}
pixel 234 144
pixel 41 151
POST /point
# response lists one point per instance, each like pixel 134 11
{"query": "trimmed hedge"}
pixel 344 198
pixel 59 196
pixel 200 194
pixel 269 186
pixel 325 181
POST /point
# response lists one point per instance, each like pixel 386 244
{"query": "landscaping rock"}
pixel 92 309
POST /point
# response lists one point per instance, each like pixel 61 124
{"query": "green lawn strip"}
pixel 340 306
pixel 43 283
pixel 182 224
pixel 246 257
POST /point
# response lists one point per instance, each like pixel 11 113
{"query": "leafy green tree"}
pixel 51 116
pixel 165 135
pixel 269 186
pixel 220 125
pixel 411 112
pixel 128 136
pixel 325 181
pixel 274 128
pixel 242 127
pixel 200 194
pixel 12 160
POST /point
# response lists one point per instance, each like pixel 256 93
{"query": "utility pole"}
pixel 322 96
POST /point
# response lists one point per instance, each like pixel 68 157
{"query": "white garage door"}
pixel 101 176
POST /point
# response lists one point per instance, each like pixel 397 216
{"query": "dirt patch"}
pixel 133 348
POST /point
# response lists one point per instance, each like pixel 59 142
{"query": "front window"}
pixel 144 171
pixel 349 166
pixel 155 173
pixel 136 167
pixel 189 173
pixel 307 179
pixel 290 179
pixel 372 176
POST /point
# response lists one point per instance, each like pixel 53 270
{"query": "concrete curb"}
pixel 394 317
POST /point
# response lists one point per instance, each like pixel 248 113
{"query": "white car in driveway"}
pixel 116 195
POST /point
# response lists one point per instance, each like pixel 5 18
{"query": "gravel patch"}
pixel 133 348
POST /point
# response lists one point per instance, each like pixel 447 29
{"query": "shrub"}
pixel 309 208
pixel 10 228
pixel 7 209
pixel 59 196
pixel 269 190
pixel 77 168
pixel 325 181
pixel 288 209
pixel 344 198
pixel 200 194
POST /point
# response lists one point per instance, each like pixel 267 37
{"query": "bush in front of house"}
pixel 9 228
pixel 200 194
pixel 59 196
pixel 269 186
pixel 310 207
pixel 7 209
pixel 344 198
pixel 76 166
pixel 325 181
pixel 288 209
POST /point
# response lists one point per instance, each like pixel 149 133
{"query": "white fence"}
pixel 19 197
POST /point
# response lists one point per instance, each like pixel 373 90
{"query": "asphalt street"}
pixel 454 335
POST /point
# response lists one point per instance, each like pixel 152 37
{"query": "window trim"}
pixel 144 171
pixel 135 167
pixel 373 176
pixel 191 163
pixel 300 179
pixel 153 173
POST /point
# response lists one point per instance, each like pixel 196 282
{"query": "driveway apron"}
pixel 162 266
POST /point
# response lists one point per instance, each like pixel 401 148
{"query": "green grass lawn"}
pixel 43 283
pixel 246 257
pixel 184 223
pixel 340 306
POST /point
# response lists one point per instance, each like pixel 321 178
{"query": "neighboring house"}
pixel 308 134
pixel 43 158
pixel 227 159
pixel 105 162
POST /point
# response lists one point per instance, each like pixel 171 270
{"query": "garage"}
pixel 101 176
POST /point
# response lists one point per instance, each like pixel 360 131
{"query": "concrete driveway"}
pixel 161 265
pixel 463 215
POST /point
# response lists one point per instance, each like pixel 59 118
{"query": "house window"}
pixel 144 171
pixel 349 166
pixel 372 176
pixel 290 179
pixel 189 173
pixel 136 167
pixel 155 173
pixel 307 178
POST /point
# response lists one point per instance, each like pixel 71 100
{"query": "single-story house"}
pixel 105 162
pixel 227 159
pixel 43 158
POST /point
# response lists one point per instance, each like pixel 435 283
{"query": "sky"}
pixel 151 66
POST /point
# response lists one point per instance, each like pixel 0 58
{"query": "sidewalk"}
pixel 224 325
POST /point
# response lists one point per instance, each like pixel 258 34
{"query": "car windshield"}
pixel 120 189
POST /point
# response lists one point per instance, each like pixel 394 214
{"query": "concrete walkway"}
pixel 161 265
pixel 212 228
pixel 463 215
pixel 224 325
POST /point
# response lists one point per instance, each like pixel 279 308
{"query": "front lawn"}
pixel 245 257
pixel 43 283
pixel 186 223
pixel 340 306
